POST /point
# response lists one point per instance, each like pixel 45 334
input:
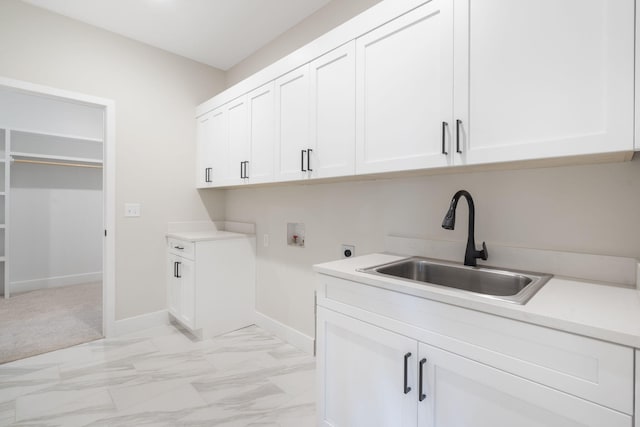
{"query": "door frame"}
pixel 108 186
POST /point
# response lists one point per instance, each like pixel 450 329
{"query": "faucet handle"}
pixel 484 253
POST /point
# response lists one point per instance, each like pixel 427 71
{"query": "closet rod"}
pixel 42 162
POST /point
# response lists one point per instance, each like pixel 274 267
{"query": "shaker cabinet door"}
pixel 173 286
pixel 543 78
pixel 204 151
pixel 262 128
pixel 361 374
pixel 333 113
pixel 237 142
pixel 292 124
pixel 404 92
pixel 459 392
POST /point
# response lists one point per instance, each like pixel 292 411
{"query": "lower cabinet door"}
pixel 173 286
pixel 362 379
pixel 186 271
pixel 459 392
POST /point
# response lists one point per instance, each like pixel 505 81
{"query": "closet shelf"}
pixel 57 135
pixel 36 156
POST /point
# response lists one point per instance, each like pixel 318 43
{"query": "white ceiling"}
pixel 219 33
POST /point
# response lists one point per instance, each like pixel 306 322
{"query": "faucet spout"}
pixel 449 223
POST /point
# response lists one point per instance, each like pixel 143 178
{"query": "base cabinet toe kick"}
pixel 386 358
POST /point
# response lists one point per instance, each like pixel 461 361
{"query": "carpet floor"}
pixel 49 319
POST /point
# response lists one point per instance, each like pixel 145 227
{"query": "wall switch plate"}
pixel 265 240
pixel 132 209
pixel 348 251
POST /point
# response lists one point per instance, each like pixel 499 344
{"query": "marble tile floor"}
pixel 163 377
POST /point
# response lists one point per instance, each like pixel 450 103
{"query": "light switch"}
pixel 132 209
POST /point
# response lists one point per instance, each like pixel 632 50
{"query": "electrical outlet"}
pixel 132 209
pixel 348 251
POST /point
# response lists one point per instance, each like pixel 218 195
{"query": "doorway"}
pixel 56 219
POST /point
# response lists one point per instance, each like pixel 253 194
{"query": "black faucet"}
pixel 449 223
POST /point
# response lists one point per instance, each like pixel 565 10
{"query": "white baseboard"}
pixel 139 323
pixel 286 333
pixel 54 282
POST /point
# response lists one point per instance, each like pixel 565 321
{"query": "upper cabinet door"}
pixel 292 124
pixel 333 113
pixel 212 148
pixel 218 130
pixel 237 141
pixel 543 78
pixel 405 90
pixel 204 151
pixel 262 128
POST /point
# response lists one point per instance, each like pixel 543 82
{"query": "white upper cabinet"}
pixel 220 150
pixel 537 79
pixel 204 152
pixel 262 127
pixel 415 84
pixel 292 125
pixel 405 91
pixel 237 141
pixel 333 112
pixel 212 148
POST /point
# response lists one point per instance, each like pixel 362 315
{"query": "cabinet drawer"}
pixel 594 370
pixel 182 248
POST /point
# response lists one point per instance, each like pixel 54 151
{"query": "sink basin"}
pixel 511 286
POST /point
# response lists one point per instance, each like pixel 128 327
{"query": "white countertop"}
pixel 201 236
pixel 598 310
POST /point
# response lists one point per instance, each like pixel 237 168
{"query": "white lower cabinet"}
pixel 182 290
pixel 459 392
pixel 211 284
pixel 361 376
pixel 370 376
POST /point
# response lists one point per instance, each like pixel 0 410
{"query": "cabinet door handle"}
pixel 302 169
pixel 246 174
pixel 241 174
pixel 458 123
pixel 406 362
pixel 309 160
pixel 444 133
pixel 176 267
pixel 179 247
pixel 421 395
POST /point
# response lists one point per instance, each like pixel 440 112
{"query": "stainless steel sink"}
pixel 511 286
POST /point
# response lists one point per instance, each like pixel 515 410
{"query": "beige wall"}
pixel 323 20
pixel 591 209
pixel 155 94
